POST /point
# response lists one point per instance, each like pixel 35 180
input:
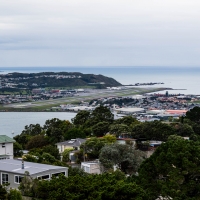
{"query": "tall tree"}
pixel 128 120
pixel 92 147
pixel 119 129
pixel 122 156
pixel 173 170
pixel 37 141
pixel 81 118
pixel 32 129
pixel 194 114
pixel 155 130
pixel 106 186
pixel 101 114
pixel 75 132
pixel 100 129
pixel 3 193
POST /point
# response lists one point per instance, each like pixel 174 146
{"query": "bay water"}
pixel 13 123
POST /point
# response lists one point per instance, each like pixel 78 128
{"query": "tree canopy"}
pixel 106 186
pixel 194 114
pixel 173 170
pixel 123 156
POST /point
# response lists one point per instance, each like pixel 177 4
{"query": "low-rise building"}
pixel 6 147
pixel 73 144
pixel 91 167
pixel 13 171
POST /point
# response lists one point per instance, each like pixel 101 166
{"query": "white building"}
pixel 6 147
pixel 91 167
pixel 12 171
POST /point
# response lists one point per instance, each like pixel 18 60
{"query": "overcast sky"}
pixel 99 33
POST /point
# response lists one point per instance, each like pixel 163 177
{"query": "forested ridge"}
pixel 58 79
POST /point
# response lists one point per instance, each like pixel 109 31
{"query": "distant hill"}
pixel 59 79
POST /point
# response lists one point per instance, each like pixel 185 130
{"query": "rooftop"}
pixel 5 139
pixel 73 142
pixel 15 166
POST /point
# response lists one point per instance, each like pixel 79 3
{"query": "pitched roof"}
pixel 73 142
pixel 6 139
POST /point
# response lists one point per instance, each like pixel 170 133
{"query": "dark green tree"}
pixel 74 133
pixel 100 129
pixel 48 158
pixel 155 130
pixel 100 114
pixel 127 120
pixel 37 141
pixel 52 150
pixel 32 129
pixel 184 130
pixel 22 139
pixel 106 186
pixel 17 149
pixel 3 193
pixel 14 195
pixel 55 129
pixel 194 114
pixel 173 170
pixel 119 129
pixel 81 118
pixel 92 147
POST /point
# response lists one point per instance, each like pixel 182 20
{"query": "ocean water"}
pixel 13 123
pixel 178 78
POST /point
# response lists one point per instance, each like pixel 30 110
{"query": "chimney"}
pixel 22 164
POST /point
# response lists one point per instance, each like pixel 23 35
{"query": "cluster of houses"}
pixel 13 170
pixel 147 107
pixel 39 94
pixel 144 108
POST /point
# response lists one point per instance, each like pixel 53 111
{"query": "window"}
pixel 43 177
pixel 86 169
pixel 4 178
pixel 57 174
pixel 18 179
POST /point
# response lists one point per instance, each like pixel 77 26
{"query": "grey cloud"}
pixel 106 32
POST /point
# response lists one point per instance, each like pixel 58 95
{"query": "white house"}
pixel 6 147
pixel 91 167
pixel 73 143
pixel 12 171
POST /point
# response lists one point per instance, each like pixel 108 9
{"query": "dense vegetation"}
pixel 172 172
pixel 43 79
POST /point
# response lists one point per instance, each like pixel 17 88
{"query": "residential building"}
pixel 6 147
pixel 70 144
pixel 73 144
pixel 12 171
pixel 91 167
